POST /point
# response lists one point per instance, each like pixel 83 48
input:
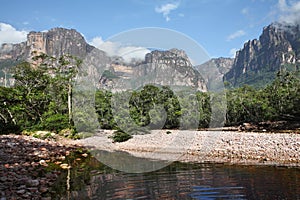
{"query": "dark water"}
pixel 93 180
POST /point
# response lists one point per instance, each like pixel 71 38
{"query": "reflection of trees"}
pixel 184 181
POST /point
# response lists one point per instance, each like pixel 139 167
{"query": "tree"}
pixel 43 92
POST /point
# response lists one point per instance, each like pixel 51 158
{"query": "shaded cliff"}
pixel 55 42
pixel 171 67
pixel 214 70
pixel 278 48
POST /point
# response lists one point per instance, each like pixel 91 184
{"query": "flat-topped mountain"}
pixel 55 42
pixel 171 67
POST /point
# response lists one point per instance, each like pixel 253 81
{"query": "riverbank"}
pixel 250 148
pixel 28 165
pixel 25 160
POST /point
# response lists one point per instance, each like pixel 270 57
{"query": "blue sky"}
pixel 219 26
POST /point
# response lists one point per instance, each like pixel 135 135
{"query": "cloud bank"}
pixel 236 34
pixel 289 12
pixel 9 34
pixel 232 52
pixel 166 9
pixel 116 49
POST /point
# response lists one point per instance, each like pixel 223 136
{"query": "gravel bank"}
pixel 23 166
pixel 208 146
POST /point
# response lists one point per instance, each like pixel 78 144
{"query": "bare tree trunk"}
pixel 70 102
pixel 11 116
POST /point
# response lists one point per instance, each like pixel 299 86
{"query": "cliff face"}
pixel 214 70
pixel 258 61
pixel 55 42
pixel 171 67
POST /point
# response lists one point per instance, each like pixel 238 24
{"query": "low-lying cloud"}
pixel 9 34
pixel 116 49
pixel 289 12
pixel 232 52
pixel 236 34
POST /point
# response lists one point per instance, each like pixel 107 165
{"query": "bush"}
pixel 55 122
pixel 120 136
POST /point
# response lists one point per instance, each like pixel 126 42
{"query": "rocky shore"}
pixel 281 149
pixel 24 162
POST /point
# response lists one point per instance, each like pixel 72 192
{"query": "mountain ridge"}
pixel 57 42
pixel 278 48
pixel 256 64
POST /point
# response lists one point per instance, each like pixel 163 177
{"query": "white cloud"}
pixel 289 13
pixel 245 11
pixel 165 9
pixel 9 34
pixel 116 49
pixel 235 35
pixel 232 52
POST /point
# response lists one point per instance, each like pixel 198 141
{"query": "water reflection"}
pixel 125 162
pixel 93 180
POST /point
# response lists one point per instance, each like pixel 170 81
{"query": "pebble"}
pixel 33 183
pixel 23 165
pixel 43 189
pixel 21 191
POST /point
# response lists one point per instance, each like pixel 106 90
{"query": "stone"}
pixel 65 166
pixel 21 191
pixel 43 189
pixel 33 183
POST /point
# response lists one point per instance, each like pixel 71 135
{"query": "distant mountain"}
pixel 55 42
pixel 278 48
pixel 256 64
pixel 171 67
pixel 214 70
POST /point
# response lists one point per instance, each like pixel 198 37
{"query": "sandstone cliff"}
pixel 214 70
pixel 257 63
pixel 172 68
pixel 55 42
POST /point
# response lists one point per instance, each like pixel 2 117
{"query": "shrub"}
pixel 120 136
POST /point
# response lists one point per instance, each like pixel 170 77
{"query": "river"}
pixel 94 180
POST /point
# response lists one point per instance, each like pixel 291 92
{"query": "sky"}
pixel 221 27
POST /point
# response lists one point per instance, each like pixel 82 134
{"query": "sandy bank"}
pixel 207 146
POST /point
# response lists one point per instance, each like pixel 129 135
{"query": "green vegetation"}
pixel 120 136
pixel 109 75
pixel 41 96
pixel 277 101
pixel 152 107
pixel 41 100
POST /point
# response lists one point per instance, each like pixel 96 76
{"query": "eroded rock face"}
pixel 214 70
pixel 277 47
pixel 55 42
pixel 172 68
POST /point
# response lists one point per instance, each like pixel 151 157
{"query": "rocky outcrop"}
pixel 172 68
pixel 55 42
pixel 214 70
pixel 258 61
